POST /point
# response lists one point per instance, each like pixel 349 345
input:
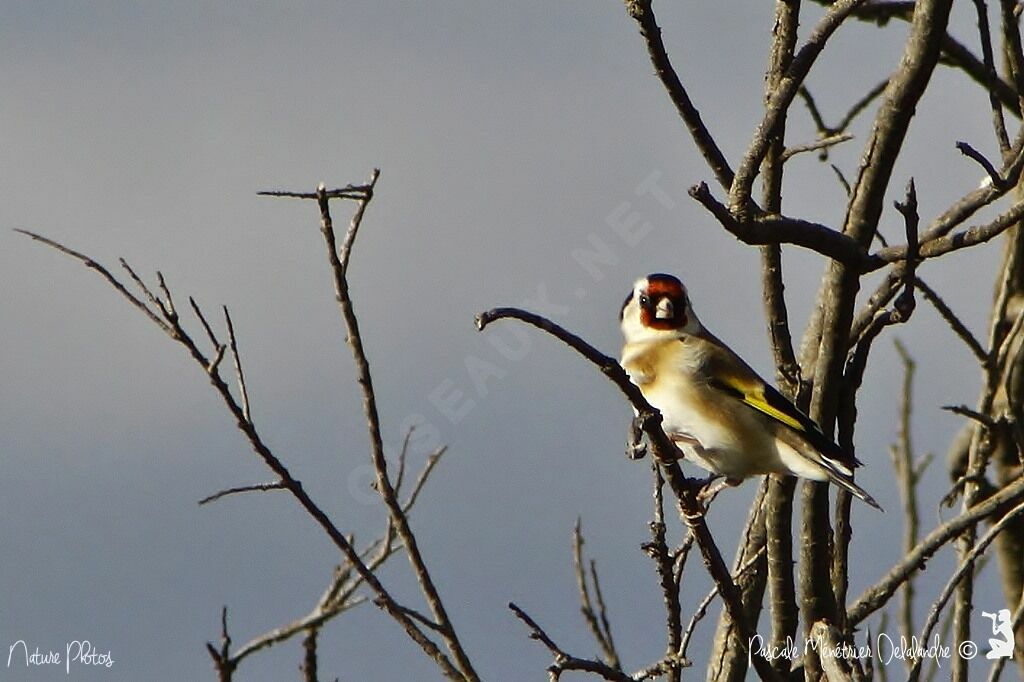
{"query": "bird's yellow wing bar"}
pixel 764 399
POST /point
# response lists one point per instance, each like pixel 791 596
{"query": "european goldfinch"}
pixel 715 408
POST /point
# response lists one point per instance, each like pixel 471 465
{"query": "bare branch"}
pixel 862 104
pixel 812 108
pixel 174 330
pixel 563 661
pixel 939 246
pixel 907 477
pixel 340 595
pixel 353 192
pixel 784 37
pixel 642 12
pixel 825 130
pixel 776 230
pixel 725 662
pixel 903 308
pixel 222 662
pixel 842 179
pixel 146 291
pixel 781 99
pixel 259 487
pixel 664 564
pixel 991 79
pixel 702 608
pixel 598 625
pixel 111 280
pixel 421 480
pixel 166 306
pixel 954 53
pixel 964 411
pixel 779 545
pixel 1012 52
pixel 822 143
pixel 419 618
pixel 309 662
pixel 972 153
pixel 954 322
pixel 243 393
pixel 206 325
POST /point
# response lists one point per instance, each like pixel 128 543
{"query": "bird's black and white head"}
pixel 657 307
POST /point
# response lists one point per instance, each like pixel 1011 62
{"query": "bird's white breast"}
pixel 730 439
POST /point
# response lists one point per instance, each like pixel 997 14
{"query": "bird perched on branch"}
pixel 715 408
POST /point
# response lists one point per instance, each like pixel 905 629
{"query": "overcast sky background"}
pixel 510 136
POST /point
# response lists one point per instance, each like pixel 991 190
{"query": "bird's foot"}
pixel 711 486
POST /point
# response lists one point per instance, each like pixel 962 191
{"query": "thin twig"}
pixel 402 453
pixel 970 152
pixel 259 487
pixel 602 611
pixel 206 325
pixel 432 461
pixel 903 464
pixel 954 53
pixel 702 608
pixel 340 595
pixel 954 322
pixel 861 104
pixel 353 192
pixel 598 624
pixel 243 392
pixel 992 77
pixel 964 411
pixel 563 661
pixel 105 273
pixel 842 179
pixel 642 12
pixel 939 246
pixel 167 306
pixel 221 660
pixel 664 564
pixel 823 143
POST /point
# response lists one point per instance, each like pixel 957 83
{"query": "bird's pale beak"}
pixel 663 311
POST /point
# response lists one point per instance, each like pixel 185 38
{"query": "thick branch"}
pixel 763 230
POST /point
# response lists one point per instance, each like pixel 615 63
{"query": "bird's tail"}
pixel 847 484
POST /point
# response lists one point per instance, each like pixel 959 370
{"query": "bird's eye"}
pixel 644 300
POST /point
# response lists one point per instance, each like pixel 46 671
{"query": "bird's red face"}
pixel 662 302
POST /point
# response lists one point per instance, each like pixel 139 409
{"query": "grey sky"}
pixel 509 137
